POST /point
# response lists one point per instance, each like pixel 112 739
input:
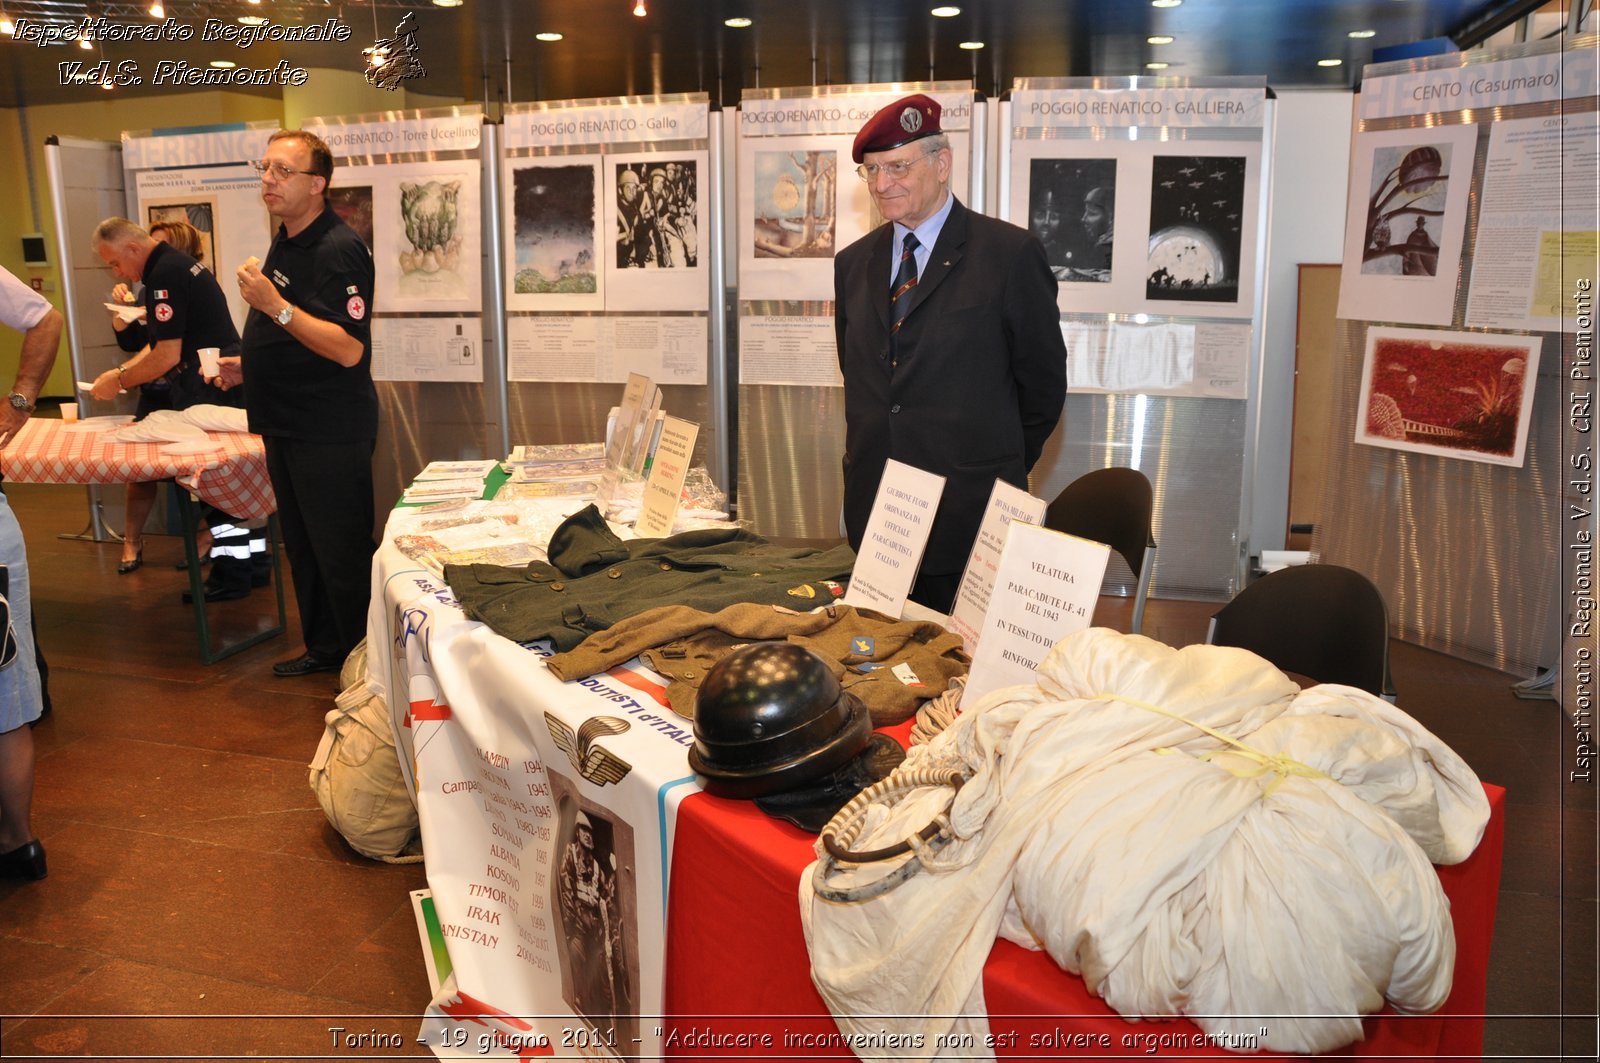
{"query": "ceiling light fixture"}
pixel 86 44
pixel 1330 62
pixel 157 11
pixel 7 27
pixel 222 64
pixel 1159 38
pixel 253 20
pixel 1165 3
pixel 947 11
pixel 638 10
pixel 1156 66
pixel 1361 35
pixel 739 23
pixel 547 35
pixel 971 46
pixel 447 3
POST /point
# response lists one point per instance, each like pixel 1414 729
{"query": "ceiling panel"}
pixel 485 50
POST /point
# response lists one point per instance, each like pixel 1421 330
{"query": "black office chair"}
pixel 1325 622
pixel 1115 507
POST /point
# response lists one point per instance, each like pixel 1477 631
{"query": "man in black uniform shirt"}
pixel 308 360
pixel 185 310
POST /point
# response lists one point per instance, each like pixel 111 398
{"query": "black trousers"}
pixel 325 511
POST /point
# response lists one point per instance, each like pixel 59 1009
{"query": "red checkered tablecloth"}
pixel 233 477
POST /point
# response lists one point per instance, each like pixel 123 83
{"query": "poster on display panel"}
pixel 1405 224
pixel 224 205
pixel 553 233
pixel 1453 394
pixel 1144 226
pixel 800 199
pixel 1538 222
pixel 655 210
pixel 422 221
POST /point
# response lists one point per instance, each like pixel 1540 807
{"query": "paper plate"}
pixel 191 446
pixel 133 312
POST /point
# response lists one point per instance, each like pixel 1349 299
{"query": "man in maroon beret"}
pixel 949 341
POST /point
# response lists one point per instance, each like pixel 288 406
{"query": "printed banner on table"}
pixel 548 830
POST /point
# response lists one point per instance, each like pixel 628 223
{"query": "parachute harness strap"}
pixel 1279 764
pixel 920 847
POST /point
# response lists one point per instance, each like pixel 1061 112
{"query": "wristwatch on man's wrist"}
pixel 285 314
pixel 19 401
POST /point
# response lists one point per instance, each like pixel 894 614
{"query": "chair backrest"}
pixel 1111 506
pixel 1325 622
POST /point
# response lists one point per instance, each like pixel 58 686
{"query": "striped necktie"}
pixel 905 283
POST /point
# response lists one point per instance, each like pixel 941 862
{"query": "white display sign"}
pixel 1096 108
pixel 896 534
pixel 1045 589
pixel 1006 504
pixel 628 123
pixel 460 132
pixel 669 468
pixel 1565 74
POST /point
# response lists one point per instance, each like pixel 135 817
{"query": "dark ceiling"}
pixel 485 50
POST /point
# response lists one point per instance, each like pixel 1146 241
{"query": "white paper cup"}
pixel 69 412
pixel 209 365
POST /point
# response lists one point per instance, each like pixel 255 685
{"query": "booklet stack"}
pixel 443 481
pixel 556 470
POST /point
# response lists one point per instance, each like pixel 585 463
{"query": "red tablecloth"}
pixel 231 476
pixel 736 958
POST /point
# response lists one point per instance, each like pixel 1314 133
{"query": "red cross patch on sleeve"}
pixel 356 307
pixel 163 312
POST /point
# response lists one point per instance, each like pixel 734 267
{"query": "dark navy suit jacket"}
pixel 976 380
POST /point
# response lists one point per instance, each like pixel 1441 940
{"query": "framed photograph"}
pixel 201 213
pixel 1456 394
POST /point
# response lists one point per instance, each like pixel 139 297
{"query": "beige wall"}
pixel 25 183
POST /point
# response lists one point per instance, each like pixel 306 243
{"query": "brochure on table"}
pixel 896 534
pixel 1006 504
pixel 1045 589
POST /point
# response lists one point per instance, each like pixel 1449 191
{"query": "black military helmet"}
pixel 771 718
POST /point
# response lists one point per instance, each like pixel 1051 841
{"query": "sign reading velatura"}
pixel 99 29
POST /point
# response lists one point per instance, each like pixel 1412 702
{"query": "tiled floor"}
pixel 199 905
